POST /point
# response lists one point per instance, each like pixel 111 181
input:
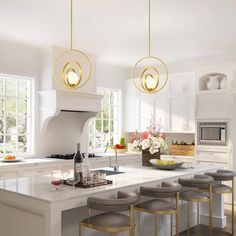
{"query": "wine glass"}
pixel 57 178
pixel 70 178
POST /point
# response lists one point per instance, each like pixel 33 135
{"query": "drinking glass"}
pixel 57 178
pixel 70 178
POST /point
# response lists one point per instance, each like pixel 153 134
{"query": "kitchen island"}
pixel 29 206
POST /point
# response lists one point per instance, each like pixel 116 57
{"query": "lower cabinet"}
pixel 211 156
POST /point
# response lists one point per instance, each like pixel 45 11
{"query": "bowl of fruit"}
pixel 11 158
pixel 165 164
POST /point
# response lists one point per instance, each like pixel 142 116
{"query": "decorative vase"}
pixel 213 82
pixel 223 83
pixel 146 156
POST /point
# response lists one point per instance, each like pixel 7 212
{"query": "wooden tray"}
pixel 82 185
pixel 182 150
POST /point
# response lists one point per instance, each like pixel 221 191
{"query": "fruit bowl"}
pixel 165 165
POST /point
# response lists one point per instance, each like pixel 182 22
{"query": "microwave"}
pixel 212 133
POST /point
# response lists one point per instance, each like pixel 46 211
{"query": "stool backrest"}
pixel 123 203
pixel 166 190
pixel 199 181
pixel 222 175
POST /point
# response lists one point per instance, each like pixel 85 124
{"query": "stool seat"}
pixel 157 205
pixel 108 220
pixel 221 189
pixel 193 196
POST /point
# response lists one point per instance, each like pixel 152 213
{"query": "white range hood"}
pixel 52 102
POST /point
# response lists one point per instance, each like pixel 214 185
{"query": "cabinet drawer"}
pixel 8 174
pixel 35 171
pixel 216 157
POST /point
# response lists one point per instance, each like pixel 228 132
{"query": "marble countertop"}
pixel 39 187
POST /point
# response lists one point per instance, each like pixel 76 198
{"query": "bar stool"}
pixel 219 188
pixel 159 206
pixel 195 195
pixel 111 221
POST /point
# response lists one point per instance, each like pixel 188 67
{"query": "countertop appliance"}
pixel 212 133
pixel 70 156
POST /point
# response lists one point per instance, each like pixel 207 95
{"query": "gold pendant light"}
pixel 150 73
pixel 72 68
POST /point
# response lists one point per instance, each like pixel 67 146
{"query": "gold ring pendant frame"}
pixel 152 70
pixel 62 66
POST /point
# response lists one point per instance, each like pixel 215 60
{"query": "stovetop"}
pixel 62 156
pixel 69 156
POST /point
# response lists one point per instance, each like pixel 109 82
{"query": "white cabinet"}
pixel 146 111
pixel 212 155
pixel 162 111
pixel 174 105
pixel 213 105
pixel 131 114
pixel 178 114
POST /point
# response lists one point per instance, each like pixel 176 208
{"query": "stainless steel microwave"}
pixel 212 133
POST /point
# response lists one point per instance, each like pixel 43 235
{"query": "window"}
pixel 15 115
pixel 104 129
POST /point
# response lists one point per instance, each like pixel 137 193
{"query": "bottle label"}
pixel 79 167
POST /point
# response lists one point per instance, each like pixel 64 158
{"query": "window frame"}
pixel 93 122
pixel 31 115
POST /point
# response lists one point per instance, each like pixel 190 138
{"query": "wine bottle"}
pixel 78 168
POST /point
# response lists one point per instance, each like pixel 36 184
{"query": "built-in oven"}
pixel 212 133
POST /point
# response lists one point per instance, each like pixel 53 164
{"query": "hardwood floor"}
pixel 204 229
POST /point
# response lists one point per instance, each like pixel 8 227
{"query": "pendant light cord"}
pixel 71 24
pixel 149 28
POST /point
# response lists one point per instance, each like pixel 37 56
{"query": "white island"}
pixel 29 206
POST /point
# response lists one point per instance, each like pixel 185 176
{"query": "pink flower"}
pixel 133 137
pixel 144 135
pixel 163 135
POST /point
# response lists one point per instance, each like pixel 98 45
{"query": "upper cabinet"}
pixel 214 92
pixel 173 106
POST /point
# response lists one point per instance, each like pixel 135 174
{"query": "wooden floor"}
pixel 204 229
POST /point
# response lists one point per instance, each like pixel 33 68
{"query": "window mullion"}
pixel 4 117
pixel 17 114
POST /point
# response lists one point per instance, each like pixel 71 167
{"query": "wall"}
pixel 65 130
pixel 111 76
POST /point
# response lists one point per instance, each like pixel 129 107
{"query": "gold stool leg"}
pixel 177 223
pixel 210 210
pixel 171 225
pixel 233 207
pixel 155 228
pixel 80 229
pixel 188 218
pixel 198 225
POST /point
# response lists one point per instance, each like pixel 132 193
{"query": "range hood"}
pixel 52 102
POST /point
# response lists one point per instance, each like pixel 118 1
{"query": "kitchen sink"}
pixel 111 172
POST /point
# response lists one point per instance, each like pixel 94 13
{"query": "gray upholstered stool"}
pixel 112 221
pixel 160 205
pixel 219 188
pixel 193 194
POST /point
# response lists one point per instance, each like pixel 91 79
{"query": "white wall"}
pixel 65 130
pixel 111 76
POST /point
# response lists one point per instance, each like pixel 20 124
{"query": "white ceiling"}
pixel 116 30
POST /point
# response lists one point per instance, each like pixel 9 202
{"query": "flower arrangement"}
pixel 152 140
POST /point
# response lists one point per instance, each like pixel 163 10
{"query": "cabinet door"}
pixel 146 112
pixel 178 114
pixel 131 114
pixel 191 114
pixel 215 106
pixel 162 111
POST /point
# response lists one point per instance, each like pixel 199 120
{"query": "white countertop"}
pixel 39 187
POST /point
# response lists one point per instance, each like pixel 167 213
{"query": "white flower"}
pixel 153 150
pixel 136 143
pixel 145 144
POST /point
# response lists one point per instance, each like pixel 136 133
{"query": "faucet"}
pixel 107 145
pixel 116 166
